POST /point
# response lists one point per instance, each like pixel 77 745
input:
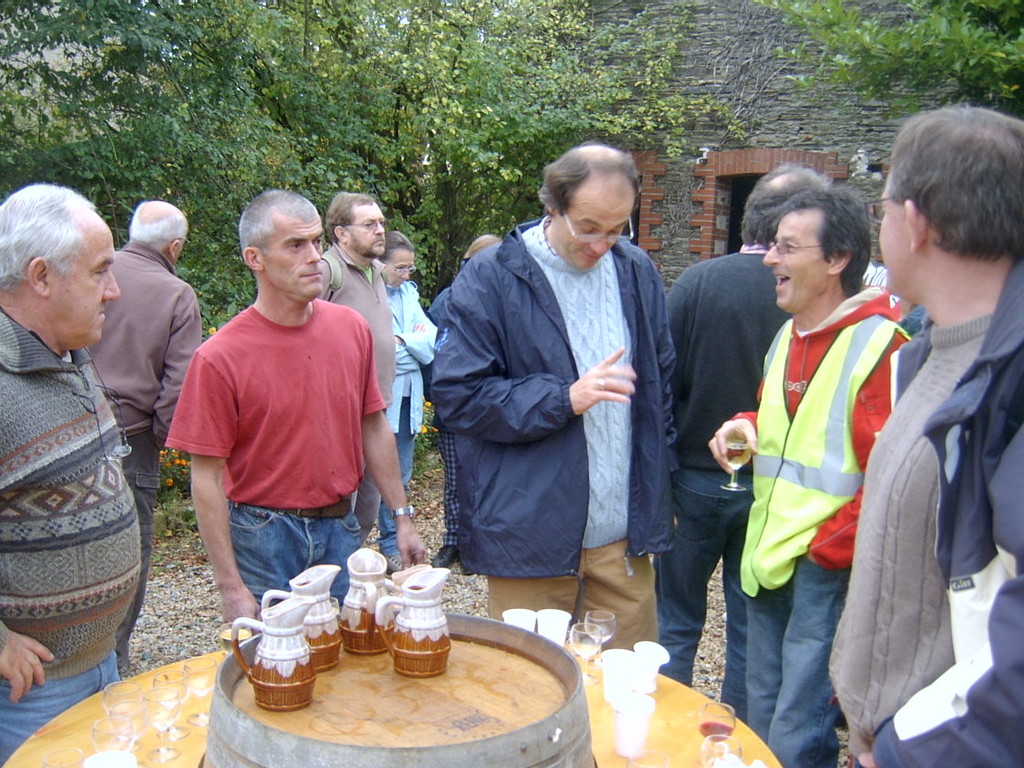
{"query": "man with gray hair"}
pixel 149 337
pixel 281 411
pixel 69 536
pixel 728 299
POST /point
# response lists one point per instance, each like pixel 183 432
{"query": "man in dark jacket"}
pixel 935 676
pixel 552 369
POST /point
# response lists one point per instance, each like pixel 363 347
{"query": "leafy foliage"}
pixel 446 110
pixel 968 51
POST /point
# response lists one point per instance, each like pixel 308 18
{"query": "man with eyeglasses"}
pixel 929 659
pixel 824 397
pixel 737 292
pixel 353 278
pixel 149 337
pixel 552 370
pixel 69 533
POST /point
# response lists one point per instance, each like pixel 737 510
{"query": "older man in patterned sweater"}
pixel 69 536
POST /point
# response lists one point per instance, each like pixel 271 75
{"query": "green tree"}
pixel 949 50
pixel 446 110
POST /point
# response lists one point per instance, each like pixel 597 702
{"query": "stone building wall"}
pixel 686 205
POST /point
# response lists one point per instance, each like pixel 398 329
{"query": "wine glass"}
pixel 134 710
pixel 163 705
pixel 716 747
pixel 605 621
pixel 716 717
pixel 585 641
pixel 122 690
pixel 648 758
pixel 737 453
pixel 64 758
pixel 173 678
pixel 200 677
pixel 113 734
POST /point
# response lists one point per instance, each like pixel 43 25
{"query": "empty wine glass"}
pixel 173 678
pixel 737 453
pixel 585 641
pixel 716 747
pixel 113 734
pixel 163 705
pixel 200 677
pixel 64 758
pixel 134 711
pixel 122 690
pixel 605 621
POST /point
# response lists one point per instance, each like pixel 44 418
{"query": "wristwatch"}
pixel 408 511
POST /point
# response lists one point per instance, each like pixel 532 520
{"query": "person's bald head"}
pixel 161 226
pixel 569 172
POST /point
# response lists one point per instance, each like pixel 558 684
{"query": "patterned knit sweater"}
pixel 69 535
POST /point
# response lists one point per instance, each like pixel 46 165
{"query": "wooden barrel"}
pixel 509 698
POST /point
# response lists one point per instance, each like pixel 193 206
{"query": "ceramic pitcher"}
pixel 323 633
pixel 414 626
pixel 367 582
pixel 282 672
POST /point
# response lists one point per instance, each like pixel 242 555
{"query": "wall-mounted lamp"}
pixel 703 155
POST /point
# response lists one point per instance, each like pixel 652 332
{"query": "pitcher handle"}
pixel 273 594
pixel 236 650
pixel 384 606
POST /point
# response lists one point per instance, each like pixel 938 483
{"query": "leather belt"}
pixel 340 508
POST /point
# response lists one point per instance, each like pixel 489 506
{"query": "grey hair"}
pixel 158 232
pixel 40 221
pixel 256 223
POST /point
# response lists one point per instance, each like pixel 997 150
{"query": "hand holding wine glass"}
pixel 585 641
pixel 732 446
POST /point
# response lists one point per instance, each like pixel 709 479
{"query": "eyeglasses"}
pixel 371 226
pixel 786 249
pixel 876 209
pixel 597 237
pixel 411 269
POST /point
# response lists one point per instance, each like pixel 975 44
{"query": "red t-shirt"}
pixel 283 405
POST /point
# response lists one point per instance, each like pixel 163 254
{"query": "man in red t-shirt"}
pixel 279 410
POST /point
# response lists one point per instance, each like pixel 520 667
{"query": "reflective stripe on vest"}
pixel 806 465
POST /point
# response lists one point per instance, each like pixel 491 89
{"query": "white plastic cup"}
pixel 523 618
pixel 650 657
pixel 620 672
pixel 632 719
pixel 111 760
pixel 553 624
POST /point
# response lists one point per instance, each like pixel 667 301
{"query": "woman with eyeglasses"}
pixel 414 347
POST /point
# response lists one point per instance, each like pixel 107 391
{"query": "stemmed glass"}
pixel 585 641
pixel 716 717
pixel 173 678
pixel 737 453
pixel 200 677
pixel 120 691
pixel 605 621
pixel 113 734
pixel 716 747
pixel 163 705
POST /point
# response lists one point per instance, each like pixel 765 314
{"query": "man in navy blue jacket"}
pixel 553 372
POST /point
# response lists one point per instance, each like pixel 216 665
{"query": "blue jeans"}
pixel 405 441
pixel 710 526
pixel 44 702
pixel 790 701
pixel 271 547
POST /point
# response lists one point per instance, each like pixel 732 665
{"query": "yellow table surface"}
pixel 673 729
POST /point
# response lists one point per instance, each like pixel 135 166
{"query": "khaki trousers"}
pixel 608 583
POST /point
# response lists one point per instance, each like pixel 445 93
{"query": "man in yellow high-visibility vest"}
pixel 824 397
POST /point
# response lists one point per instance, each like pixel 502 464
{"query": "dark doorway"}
pixel 741 189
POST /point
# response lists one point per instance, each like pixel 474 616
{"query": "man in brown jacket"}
pixel 148 340
pixel 352 278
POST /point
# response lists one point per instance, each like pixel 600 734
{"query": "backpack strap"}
pixel 337 269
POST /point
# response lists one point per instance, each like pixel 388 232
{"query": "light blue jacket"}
pixel 411 324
